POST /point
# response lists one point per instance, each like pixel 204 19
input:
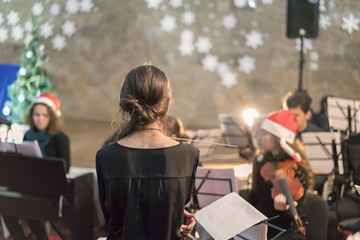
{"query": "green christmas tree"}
pixel 32 79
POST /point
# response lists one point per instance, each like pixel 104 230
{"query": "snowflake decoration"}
pixel 28 26
pixel 176 3
pixel 188 17
pixel 37 9
pixel 72 6
pixel 1 18
pixel 28 38
pixel 240 3
pixel 228 79
pixel 324 21
pixel 267 1
pixel 68 28
pixel 168 23
pixel 307 44
pixel 246 64
pixel 322 7
pixel 59 42
pixel 254 39
pixel 153 3
pixel 54 9
pixel 187 36
pixel 203 45
pixel 17 33
pixel 210 62
pixel 223 68
pixel 186 48
pixel 13 18
pixel 350 23
pixel 46 30
pixel 3 34
pixel 86 6
pixel 229 21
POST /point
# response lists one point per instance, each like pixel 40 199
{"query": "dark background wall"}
pixel 116 35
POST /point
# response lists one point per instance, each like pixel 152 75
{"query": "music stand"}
pixel 31 148
pixel 206 135
pixel 343 114
pixel 211 184
pixel 318 146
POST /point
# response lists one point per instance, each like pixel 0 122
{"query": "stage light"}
pixel 249 115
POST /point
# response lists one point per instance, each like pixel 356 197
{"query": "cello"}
pixel 281 177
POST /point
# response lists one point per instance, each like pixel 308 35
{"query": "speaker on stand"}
pixel 302 22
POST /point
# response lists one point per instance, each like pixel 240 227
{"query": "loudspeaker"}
pixel 302 18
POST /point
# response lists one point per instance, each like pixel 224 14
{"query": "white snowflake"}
pixel 3 34
pixel 254 39
pixel 350 23
pixel 187 36
pixel 37 9
pixel 223 68
pixel 168 23
pixel 28 38
pixel 203 45
pixel 229 21
pixel 322 7
pixel 188 17
pixel 324 21
pixel 267 1
pixel 59 42
pixel 28 26
pixel 240 3
pixel 17 33
pixel 68 28
pixel 153 3
pixel 13 18
pixel 307 44
pixel 46 30
pixel 176 3
pixel 72 6
pixel 210 63
pixel 55 9
pixel 186 48
pixel 211 15
pixel 228 79
pixel 86 6
pixel 1 18
pixel 246 64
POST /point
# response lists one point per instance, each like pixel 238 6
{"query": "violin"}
pixel 281 177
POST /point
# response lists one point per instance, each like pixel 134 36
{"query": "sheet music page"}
pixel 228 216
pixel 357 188
pixel 258 232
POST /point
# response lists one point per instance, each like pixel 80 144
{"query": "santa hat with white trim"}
pixel 283 124
pixel 51 101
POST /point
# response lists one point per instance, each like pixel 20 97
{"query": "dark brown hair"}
pixel 175 126
pixel 54 124
pixel 144 98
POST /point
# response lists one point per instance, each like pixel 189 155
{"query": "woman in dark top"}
pixel 45 124
pixel 145 178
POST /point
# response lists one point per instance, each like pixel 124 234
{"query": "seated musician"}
pixel 283 156
pixel 45 127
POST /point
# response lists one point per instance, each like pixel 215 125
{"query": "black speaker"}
pixel 302 18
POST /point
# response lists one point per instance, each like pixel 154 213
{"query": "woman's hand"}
pixel 280 203
pixel 186 229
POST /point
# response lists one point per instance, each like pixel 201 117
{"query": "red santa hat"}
pixel 51 101
pixel 283 124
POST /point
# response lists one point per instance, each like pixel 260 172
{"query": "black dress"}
pixel 143 192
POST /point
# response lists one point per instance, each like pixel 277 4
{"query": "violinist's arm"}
pixel 280 203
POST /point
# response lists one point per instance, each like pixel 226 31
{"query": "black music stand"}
pixel 235 130
pixel 204 136
pixel 343 114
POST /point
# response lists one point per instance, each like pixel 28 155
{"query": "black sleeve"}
pixel 101 188
pixel 192 182
pixel 63 151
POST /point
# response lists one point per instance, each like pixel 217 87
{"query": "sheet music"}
pixel 255 232
pixel 228 216
pixel 31 148
pixel 338 113
pixel 357 188
pixel 321 160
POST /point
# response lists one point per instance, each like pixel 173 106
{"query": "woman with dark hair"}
pixel 45 127
pixel 145 178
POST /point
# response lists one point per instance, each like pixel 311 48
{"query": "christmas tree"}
pixel 32 79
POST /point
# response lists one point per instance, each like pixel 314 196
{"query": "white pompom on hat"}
pixel 283 124
pixel 51 101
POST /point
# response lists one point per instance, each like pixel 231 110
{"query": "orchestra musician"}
pixel 283 160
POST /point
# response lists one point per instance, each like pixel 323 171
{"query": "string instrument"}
pixel 281 177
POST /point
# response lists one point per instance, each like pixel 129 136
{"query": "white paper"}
pixel 257 232
pixel 26 147
pixel 228 216
pixel 357 188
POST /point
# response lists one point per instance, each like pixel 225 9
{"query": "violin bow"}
pixel 200 141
